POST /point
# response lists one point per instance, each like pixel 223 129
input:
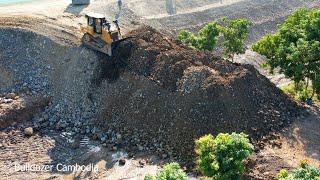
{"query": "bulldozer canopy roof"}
pixel 95 15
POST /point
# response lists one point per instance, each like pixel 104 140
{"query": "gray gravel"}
pixel 41 66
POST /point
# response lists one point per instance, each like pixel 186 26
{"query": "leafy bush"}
pixel 283 174
pixel 149 177
pixel 222 157
pixel 206 39
pixel 188 38
pixel 303 95
pixel 171 171
pixel 295 48
pixel 235 32
pixel 304 172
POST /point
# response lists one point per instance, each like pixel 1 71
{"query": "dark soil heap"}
pixel 161 96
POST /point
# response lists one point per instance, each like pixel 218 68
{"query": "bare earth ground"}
pixel 286 150
pixel 300 141
pixel 53 148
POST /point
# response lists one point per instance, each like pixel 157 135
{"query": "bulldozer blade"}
pixel 90 42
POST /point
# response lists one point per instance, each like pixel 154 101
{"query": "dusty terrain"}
pixel 152 102
pixel 191 14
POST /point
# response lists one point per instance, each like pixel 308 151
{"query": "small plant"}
pixel 303 95
pixel 235 32
pixel 222 157
pixel 283 174
pixel 304 172
pixel 171 171
pixel 149 177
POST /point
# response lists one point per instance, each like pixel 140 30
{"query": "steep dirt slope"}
pixel 153 95
pixel 163 96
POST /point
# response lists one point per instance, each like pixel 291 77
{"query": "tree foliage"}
pixel 222 157
pixel 171 171
pixel 304 172
pixel 206 39
pixel 235 32
pixel 295 48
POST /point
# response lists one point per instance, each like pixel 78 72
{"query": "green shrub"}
pixel 235 32
pixel 303 95
pixel 149 177
pixel 316 86
pixel 222 157
pixel 283 174
pixel 295 49
pixel 206 39
pixel 304 172
pixel 188 38
pixel 171 171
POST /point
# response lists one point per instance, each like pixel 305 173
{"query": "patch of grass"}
pixel 300 93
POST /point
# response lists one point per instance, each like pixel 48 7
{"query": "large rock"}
pixel 28 131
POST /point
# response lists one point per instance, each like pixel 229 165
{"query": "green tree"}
pixel 295 48
pixel 208 36
pixel 206 39
pixel 188 38
pixel 235 32
pixel 222 157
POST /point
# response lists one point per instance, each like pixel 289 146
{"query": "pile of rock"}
pixel 152 95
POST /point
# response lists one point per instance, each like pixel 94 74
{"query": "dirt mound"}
pixel 153 95
pixel 166 95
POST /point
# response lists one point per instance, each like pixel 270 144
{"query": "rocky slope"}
pixel 153 95
pixel 156 98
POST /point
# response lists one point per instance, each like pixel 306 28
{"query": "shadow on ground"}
pixel 75 9
pixel 299 141
pixel 305 134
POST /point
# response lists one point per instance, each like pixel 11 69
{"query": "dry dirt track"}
pixel 298 142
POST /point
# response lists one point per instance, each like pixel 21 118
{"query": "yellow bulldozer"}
pixel 100 34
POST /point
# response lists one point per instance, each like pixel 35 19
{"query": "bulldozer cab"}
pixel 96 22
pixel 99 34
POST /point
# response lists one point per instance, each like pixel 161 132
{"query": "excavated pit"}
pixel 153 95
